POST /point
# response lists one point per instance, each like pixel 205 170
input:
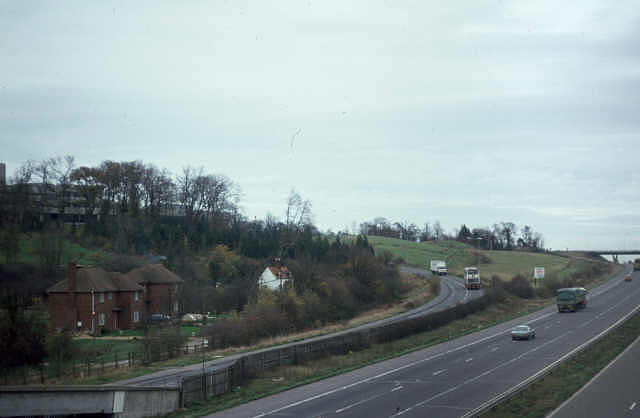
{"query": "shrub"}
pixel 496 291
pixel 520 286
pixel 434 286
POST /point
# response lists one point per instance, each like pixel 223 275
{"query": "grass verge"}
pixel 548 393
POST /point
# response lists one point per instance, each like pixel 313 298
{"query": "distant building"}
pixel 275 277
pixel 93 299
pixel 3 174
pixel 68 204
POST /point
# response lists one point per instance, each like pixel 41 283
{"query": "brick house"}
pixel 91 298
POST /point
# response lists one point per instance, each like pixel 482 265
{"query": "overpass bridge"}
pixel 613 253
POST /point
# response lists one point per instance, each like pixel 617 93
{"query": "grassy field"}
pixel 419 254
pixel 507 264
pixel 107 347
pixel 457 255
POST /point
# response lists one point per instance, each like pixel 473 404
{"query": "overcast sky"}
pixel 468 112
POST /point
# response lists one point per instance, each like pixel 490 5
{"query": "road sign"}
pixel 538 273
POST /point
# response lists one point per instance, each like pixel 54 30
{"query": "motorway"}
pixel 452 292
pixel 611 393
pixel 455 378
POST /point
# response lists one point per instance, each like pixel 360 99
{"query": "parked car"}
pixel 159 318
pixel 523 332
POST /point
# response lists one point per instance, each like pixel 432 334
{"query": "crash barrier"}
pixel 223 379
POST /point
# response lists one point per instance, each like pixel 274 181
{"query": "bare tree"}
pixel 509 233
pixel 298 212
pixel 438 231
pixel 426 232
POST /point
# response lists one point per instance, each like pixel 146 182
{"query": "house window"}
pixel 110 295
pixel 101 297
pixel 136 316
pixel 137 296
pixel 101 318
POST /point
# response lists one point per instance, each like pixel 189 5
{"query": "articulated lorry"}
pixel 438 267
pixel 571 299
pixel 471 278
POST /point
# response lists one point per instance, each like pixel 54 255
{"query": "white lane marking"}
pixel 468 360
pixel 494 349
pixel 473 379
pixel 388 372
pixel 396 388
pixel 633 405
pixel 617 304
pixel 547 327
pixel 439 372
pixel 338 411
pixel 534 376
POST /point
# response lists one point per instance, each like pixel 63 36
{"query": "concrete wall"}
pixel 122 402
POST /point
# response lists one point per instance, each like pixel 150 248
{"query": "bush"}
pixel 496 291
pixel 161 343
pixel 434 286
pixel 520 286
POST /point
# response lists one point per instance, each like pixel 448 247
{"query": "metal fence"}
pixel 56 372
pixel 218 382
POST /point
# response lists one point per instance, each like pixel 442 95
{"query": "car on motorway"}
pixel 627 278
pixel 523 332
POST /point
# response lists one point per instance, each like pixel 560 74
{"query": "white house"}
pixel 275 277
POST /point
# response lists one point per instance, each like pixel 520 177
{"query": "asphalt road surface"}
pixel 454 378
pixel 452 292
pixel 614 392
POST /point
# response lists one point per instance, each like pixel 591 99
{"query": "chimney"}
pixel 71 275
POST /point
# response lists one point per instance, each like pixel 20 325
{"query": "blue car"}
pixel 523 332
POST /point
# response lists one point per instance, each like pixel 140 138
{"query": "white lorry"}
pixel 471 278
pixel 438 267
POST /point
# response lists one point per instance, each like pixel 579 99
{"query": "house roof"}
pixel 98 280
pixel 282 270
pixel 154 274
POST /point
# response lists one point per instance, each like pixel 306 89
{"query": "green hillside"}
pixel 31 245
pixel 457 255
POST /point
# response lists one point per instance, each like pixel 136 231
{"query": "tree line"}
pixel 501 236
